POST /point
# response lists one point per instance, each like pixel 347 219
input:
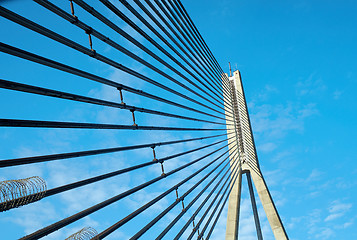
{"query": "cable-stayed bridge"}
pixel 119 66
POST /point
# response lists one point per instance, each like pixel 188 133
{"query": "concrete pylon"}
pixel 238 122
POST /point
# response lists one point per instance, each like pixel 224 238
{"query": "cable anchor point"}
pixel 121 95
pixel 72 11
pixel 177 195
pixel 154 154
pixel 89 32
pixel 133 115
pixel 183 205
pixel 162 169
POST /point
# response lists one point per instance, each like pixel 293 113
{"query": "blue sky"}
pixel 298 64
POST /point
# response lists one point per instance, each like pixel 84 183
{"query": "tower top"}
pixel 230 69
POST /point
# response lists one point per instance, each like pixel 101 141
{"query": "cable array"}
pixel 176 87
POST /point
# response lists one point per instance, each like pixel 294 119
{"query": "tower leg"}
pixel 269 207
pixel 233 209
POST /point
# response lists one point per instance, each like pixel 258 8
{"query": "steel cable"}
pixel 56 65
pixel 134 26
pixel 87 181
pixel 200 235
pixel 179 216
pixel 230 178
pixel 117 29
pixel 126 219
pixel 61 39
pixel 52 157
pixel 227 191
pixel 56 124
pixel 229 188
pixel 185 21
pixel 74 20
pixel 177 35
pixel 200 36
pixel 64 222
pixel 189 39
pixel 74 97
pixel 179 199
pixel 172 30
pixel 196 58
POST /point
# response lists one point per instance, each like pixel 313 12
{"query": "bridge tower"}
pixel 249 165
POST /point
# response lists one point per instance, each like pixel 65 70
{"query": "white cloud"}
pixel 275 121
pixel 314 176
pixel 333 216
pixel 347 224
pixel 310 86
pixel 319 227
pixel 324 233
pixel 267 147
pixel 338 207
pixel 268 90
pixel 337 94
pixel 337 210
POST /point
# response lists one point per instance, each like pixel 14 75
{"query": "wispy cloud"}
pixel 325 233
pixel 337 94
pixel 337 210
pixel 267 92
pixel 313 85
pixel 275 121
pixel 267 147
pixel 314 176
